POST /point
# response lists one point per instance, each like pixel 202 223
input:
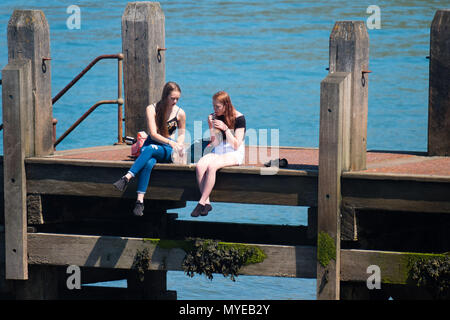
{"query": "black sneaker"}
pixel 138 209
pixel 197 210
pixel 207 209
pixel 121 184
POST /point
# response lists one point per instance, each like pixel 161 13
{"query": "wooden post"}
pixel 17 103
pixel 29 38
pixel 439 87
pixel 335 97
pixel 144 65
pixel 349 52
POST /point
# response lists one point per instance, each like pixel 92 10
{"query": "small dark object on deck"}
pixel 281 163
pixel 130 140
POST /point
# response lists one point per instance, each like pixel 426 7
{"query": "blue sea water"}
pixel 271 57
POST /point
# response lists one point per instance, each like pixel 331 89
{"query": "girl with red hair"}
pixel 227 129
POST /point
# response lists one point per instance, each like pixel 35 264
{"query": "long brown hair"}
pixel 162 108
pixel 230 112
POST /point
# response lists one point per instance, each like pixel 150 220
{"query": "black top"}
pixel 238 123
pixel 172 123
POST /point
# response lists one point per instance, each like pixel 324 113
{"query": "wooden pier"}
pixel 365 207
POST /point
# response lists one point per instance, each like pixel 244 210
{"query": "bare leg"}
pixel 209 178
pixel 201 168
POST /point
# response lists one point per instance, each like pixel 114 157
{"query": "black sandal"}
pixel 138 210
pixel 197 210
pixel 207 209
pixel 121 184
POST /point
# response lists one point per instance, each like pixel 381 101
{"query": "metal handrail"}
pixel 84 116
pixel 118 101
pixel 118 56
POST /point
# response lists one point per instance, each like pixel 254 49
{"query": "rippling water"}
pixel 270 56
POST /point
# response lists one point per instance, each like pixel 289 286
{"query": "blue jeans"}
pixel 151 153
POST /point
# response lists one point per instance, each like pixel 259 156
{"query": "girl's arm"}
pixel 153 129
pixel 212 132
pixel 236 139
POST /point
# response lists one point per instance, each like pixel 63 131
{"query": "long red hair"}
pixel 230 112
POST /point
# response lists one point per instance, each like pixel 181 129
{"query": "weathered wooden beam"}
pixel 169 182
pixel 396 192
pixel 120 252
pixel 395 267
pixel 241 232
pixel 335 98
pixel 439 87
pixel 386 191
pixel 143 34
pixel 17 102
pixel 145 227
pixel 349 226
pixel 34 209
pixel 349 52
pixel 29 38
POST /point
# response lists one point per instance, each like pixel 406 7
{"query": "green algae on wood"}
pixel 431 272
pixel 210 256
pixel 141 262
pixel 326 249
pixel 185 245
pixel 206 256
pixel 253 254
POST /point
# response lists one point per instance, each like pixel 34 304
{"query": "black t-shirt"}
pixel 238 123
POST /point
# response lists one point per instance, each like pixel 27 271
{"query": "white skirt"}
pixel 226 148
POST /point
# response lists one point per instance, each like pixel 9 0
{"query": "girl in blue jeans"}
pixel 163 119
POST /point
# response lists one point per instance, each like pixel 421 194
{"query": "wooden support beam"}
pixel 439 87
pixel 119 253
pixel 171 182
pixel 168 227
pixel 394 266
pixel 29 38
pixel 241 232
pixel 17 102
pixel 143 34
pixel 349 52
pixel 396 192
pixel 335 97
pixel 34 209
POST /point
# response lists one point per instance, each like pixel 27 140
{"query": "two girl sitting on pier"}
pixel 227 129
